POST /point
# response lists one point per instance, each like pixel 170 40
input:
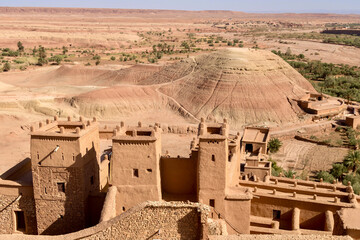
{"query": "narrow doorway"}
pixel 20 221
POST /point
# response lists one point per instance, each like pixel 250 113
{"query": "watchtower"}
pixel 135 165
pixel 65 169
pixel 212 163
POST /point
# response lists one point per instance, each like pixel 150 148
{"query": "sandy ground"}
pixel 329 53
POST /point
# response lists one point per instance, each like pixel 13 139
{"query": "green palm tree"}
pixel 352 160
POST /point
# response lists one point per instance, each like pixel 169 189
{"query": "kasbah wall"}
pixel 67 188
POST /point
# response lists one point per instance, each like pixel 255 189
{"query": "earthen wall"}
pixel 178 175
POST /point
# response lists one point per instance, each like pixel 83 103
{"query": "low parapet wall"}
pixel 149 220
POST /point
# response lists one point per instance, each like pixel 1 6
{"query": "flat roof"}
pixel 255 135
pixel 351 218
pixel 52 129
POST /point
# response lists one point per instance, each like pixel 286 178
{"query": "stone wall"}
pixel 150 220
pixel 8 206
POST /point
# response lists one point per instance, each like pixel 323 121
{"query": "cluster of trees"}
pixel 337 80
pixel 340 39
pixel 343 40
pixel 347 171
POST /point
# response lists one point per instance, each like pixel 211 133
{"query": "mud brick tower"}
pixel 65 169
pixel 135 165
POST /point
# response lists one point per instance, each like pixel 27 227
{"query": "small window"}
pixel 276 214
pixel 61 187
pixel 144 133
pixel 73 157
pixel 249 148
pixel 213 158
pixel 92 180
pixel 123 208
pixel 62 156
pixel 149 170
pixel 45 190
pixel 129 133
pixel 38 156
pixel 136 172
pixel 212 202
pixel 20 221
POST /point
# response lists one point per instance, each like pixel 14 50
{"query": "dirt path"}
pixel 176 103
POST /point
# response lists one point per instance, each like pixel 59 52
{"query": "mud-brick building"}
pixel 65 170
pixel 53 192
pixel 70 184
pixel 135 165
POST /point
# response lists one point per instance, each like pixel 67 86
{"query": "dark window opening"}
pixel 214 130
pixel 123 208
pixel 61 187
pixel 73 157
pixel 213 158
pixel 144 133
pixel 62 156
pixel 45 191
pixel 38 156
pixel 212 202
pixel 50 156
pixel 20 221
pixel 109 170
pixel 136 172
pixel 149 170
pixel 276 214
pixel 129 133
pixel 92 180
pixel 242 167
pixel 229 158
pixel 248 148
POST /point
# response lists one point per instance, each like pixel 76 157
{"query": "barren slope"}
pixel 243 85
pixel 83 76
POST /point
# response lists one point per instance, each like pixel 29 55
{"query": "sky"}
pixel 299 6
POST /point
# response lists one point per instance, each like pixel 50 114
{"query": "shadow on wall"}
pixel 75 206
pixel 313 223
pixel 18 171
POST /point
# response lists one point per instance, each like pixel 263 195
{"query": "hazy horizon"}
pixel 250 6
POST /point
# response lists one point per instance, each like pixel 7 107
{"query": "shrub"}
pixel 338 169
pixel 275 169
pixel 289 174
pixel 274 145
pixel 326 176
pixel 356 188
pixel 97 62
pixel 112 58
pixel 6 67
pixel 96 57
pixel 20 46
